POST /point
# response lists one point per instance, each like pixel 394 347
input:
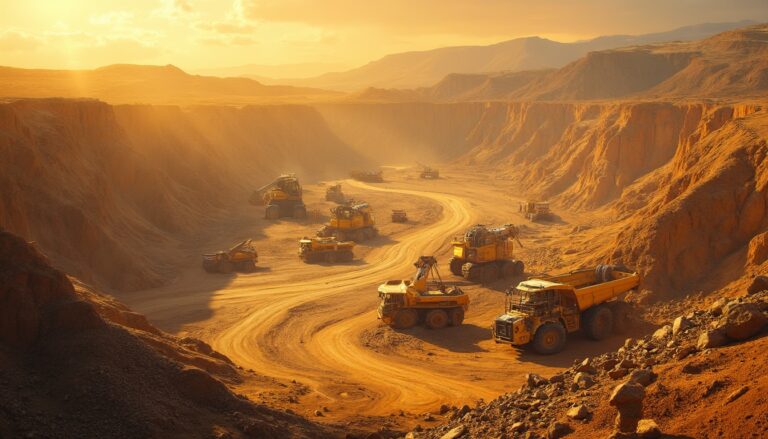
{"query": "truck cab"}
pixel 542 311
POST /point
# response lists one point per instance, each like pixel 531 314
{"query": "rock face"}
pixel 759 283
pixel 35 299
pixel 628 400
pixel 70 371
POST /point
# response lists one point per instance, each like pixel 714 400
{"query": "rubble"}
pixel 526 412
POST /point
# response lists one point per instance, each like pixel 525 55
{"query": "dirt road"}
pixel 317 325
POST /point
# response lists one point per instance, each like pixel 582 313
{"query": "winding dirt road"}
pixel 315 325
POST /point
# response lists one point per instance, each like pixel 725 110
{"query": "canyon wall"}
pixel 109 191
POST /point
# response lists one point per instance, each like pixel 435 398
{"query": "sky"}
pixel 205 34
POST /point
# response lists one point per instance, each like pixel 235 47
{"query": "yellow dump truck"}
pixel 542 310
pixel 241 257
pixel 282 198
pixel 325 250
pixel 350 222
pixel 486 253
pixel 405 303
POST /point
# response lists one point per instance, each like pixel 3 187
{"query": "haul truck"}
pixel 543 310
pixel 405 303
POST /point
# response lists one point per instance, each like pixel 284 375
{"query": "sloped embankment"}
pixel 76 363
pixel 110 192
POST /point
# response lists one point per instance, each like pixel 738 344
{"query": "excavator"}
pixel 486 253
pixel 406 303
pixel 350 222
pixel 282 196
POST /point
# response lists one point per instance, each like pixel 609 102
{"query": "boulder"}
pixel 685 351
pixel 711 339
pixel 586 367
pixel 618 373
pixel 583 380
pixel 535 380
pixel 662 332
pixel 680 324
pixel 738 393
pixel 579 412
pixel 716 308
pixel 647 429
pixel 743 321
pixel 455 432
pixel 558 430
pixel 628 400
pixel 644 377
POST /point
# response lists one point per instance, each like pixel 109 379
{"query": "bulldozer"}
pixel 369 176
pixel 350 222
pixel 541 311
pixel 406 303
pixel 325 250
pixel 486 253
pixel 334 193
pixel 282 196
pixel 535 210
pixel 241 257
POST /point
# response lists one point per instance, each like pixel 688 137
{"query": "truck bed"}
pixel 589 290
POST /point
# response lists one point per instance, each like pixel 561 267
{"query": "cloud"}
pixel 17 41
pixel 174 9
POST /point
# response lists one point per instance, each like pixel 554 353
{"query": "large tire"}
pixel 508 269
pixel 622 316
pixel 405 318
pixel 246 266
pixel 367 234
pixel 598 322
pixel 456 316
pixel 272 212
pixel 346 256
pixel 519 267
pixel 436 319
pixel 226 267
pixel 490 272
pixel 455 266
pixel 330 257
pixel 471 272
pixel 300 211
pixel 549 339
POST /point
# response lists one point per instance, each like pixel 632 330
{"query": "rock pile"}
pixel 543 407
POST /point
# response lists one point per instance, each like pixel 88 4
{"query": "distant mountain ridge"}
pixel 425 68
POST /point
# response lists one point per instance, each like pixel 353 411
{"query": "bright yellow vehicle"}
pixel 543 310
pixel 282 196
pixel 350 222
pixel 535 210
pixel 405 303
pixel 486 253
pixel 241 257
pixel 325 250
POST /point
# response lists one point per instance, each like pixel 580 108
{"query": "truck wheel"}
pixel 437 319
pixel 405 318
pixel 519 268
pixel 346 256
pixel 455 266
pixel 272 212
pixel 330 257
pixel 622 317
pixel 226 267
pixel 300 211
pixel 598 322
pixel 507 269
pixel 247 266
pixel 470 271
pixel 549 339
pixel 490 272
pixel 457 316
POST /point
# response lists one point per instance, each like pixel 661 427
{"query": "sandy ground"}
pixel 313 328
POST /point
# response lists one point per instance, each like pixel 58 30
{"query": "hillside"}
pixel 111 192
pixel 424 68
pixel 76 363
pixel 146 84
pixel 728 66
